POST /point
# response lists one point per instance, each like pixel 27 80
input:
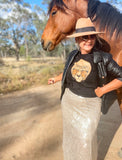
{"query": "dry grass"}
pixel 23 74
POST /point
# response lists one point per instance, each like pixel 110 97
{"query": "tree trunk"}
pixel 1 53
pixel 17 56
pixel 17 53
pixel 26 46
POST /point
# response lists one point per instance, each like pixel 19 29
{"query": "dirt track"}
pixel 31 125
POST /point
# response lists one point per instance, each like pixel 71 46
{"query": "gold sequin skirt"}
pixel 80 120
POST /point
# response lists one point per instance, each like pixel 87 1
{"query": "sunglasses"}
pixel 86 38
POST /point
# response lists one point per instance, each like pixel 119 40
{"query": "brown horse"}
pixel 63 15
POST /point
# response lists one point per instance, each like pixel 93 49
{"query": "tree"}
pixel 4 43
pixel 24 26
pixel 18 23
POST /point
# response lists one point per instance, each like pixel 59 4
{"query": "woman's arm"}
pixel 55 79
pixel 114 70
pixel 113 85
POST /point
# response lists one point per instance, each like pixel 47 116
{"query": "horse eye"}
pixel 53 13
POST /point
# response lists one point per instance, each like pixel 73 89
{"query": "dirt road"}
pixel 31 125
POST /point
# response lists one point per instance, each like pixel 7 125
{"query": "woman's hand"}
pixel 113 85
pixel 51 81
pixel 55 79
pixel 99 92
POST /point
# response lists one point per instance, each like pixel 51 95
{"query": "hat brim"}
pixel 83 34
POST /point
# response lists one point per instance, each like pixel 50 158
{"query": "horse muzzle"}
pixel 47 46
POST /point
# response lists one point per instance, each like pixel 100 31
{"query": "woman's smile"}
pixel 86 47
pixel 86 43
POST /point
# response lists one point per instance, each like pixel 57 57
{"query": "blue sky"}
pixel 44 7
pixel 36 2
pixel 39 2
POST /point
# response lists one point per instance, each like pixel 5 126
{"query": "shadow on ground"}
pixel 31 125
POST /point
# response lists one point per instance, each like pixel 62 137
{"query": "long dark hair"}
pixel 101 44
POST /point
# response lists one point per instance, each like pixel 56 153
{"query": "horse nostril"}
pixel 49 44
pixel 46 45
pixel 42 42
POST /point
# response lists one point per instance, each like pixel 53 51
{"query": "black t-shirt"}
pixel 82 75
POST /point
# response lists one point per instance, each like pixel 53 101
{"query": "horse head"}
pixel 62 19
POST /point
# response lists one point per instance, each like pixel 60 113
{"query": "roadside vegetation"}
pixel 24 74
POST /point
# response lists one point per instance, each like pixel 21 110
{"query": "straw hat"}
pixel 84 26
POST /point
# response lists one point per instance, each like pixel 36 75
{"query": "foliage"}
pixel 114 1
pixel 22 50
pixel 21 27
pixel 23 74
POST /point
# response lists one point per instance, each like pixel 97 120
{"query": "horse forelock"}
pixel 58 3
pixel 106 15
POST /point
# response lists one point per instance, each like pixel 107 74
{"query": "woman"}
pixel 81 92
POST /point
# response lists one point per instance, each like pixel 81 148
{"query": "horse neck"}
pixel 78 8
pixel 82 7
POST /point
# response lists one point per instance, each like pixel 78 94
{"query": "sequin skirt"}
pixel 80 120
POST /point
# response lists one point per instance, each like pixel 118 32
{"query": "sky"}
pixel 44 7
pixel 4 14
pixel 39 2
pixel 36 2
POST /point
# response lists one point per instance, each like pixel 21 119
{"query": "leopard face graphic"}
pixel 81 70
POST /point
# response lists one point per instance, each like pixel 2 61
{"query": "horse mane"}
pixel 58 3
pixel 106 15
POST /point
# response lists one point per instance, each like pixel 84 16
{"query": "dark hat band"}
pixel 86 29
